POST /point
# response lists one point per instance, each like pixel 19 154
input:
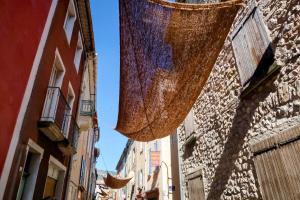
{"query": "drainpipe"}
pixel 182 196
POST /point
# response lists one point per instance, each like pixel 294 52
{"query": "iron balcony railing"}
pixel 73 133
pixel 87 108
pixel 57 109
pixel 97 133
pixel 96 152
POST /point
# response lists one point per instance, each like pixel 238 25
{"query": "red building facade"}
pixel 18 54
pixel 48 132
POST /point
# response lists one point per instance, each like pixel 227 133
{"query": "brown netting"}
pixel 103 193
pixel 167 53
pixel 115 183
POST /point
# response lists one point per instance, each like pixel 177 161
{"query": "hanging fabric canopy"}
pixel 167 53
pixel 115 183
pixel 103 193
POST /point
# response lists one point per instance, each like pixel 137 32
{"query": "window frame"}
pixel 71 10
pixel 189 125
pixel 78 52
pixel 29 185
pixel 261 71
pixel 61 176
pixel 71 93
pixel 59 66
pixel 190 134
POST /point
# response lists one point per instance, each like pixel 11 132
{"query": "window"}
pixel 195 186
pixel 78 53
pixel 70 20
pixel 55 116
pixel 68 112
pixel 71 96
pixel 90 141
pixel 72 192
pixel 55 82
pixel 190 138
pixel 277 162
pixel 55 179
pixel 82 171
pixel 30 171
pixel 189 124
pixel 252 49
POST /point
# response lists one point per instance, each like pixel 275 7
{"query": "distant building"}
pixel 124 167
pixel 82 177
pixel 50 45
pixel 150 165
pixel 241 138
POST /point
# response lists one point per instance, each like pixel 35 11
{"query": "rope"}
pixel 104 163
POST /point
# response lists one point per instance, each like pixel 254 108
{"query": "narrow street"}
pixel 150 100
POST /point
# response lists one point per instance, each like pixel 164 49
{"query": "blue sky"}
pixel 105 14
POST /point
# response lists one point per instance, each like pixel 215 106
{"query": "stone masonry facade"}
pixel 226 124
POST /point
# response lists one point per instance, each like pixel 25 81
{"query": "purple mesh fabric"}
pixel 167 53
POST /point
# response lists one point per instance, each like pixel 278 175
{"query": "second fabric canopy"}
pixel 115 183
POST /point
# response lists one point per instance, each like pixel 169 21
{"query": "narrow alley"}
pixel 150 100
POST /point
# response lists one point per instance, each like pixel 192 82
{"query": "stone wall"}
pixel 227 123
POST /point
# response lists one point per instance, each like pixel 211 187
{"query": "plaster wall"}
pixel 56 41
pixel 19 44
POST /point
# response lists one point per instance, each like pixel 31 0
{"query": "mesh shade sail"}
pixel 115 183
pixel 103 193
pixel 167 53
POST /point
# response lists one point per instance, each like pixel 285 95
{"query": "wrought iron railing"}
pixel 87 108
pixel 56 109
pixel 97 133
pixel 73 132
pixel 96 152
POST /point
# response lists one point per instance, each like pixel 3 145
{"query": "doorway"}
pixel 30 171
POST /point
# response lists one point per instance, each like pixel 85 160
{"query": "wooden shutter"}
pixel 195 186
pixel 189 124
pixel 50 187
pixel 278 168
pixel 249 44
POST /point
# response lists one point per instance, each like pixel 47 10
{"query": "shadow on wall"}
pixel 243 119
pixel 240 129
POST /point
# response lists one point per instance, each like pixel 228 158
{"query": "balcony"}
pixel 87 111
pixel 87 108
pixel 57 122
pixel 55 119
pixel 69 145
